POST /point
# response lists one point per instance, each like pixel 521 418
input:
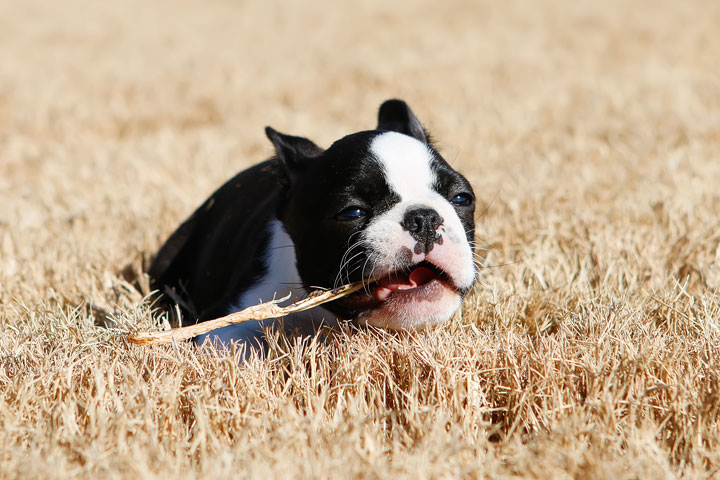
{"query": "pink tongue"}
pixel 386 286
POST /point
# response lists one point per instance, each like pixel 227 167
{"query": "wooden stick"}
pixel 261 311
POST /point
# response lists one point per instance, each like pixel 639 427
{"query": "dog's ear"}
pixel 292 151
pixel 396 116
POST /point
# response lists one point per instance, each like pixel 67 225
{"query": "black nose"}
pixel 422 224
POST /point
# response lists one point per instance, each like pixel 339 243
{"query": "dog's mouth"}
pixel 405 281
pixel 421 282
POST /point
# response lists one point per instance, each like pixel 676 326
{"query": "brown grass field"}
pixel 590 131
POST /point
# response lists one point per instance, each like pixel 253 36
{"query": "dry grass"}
pixel 591 130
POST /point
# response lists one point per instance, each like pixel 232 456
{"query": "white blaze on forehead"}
pixel 406 163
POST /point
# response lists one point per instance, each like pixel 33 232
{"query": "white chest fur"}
pixel 280 279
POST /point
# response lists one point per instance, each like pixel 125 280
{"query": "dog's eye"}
pixel 351 213
pixel 461 200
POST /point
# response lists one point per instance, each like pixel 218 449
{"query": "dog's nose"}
pixel 422 223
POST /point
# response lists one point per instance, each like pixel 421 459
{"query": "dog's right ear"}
pixel 292 152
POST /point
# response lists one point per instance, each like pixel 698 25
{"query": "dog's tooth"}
pixel 382 293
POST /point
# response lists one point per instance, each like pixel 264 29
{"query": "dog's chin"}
pixel 405 301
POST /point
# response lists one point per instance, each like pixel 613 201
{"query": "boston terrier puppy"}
pixel 380 205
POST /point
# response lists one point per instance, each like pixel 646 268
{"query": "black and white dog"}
pixel 376 204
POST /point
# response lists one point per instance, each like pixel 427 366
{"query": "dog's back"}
pixel 228 231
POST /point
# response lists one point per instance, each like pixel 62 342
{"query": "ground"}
pixel 590 131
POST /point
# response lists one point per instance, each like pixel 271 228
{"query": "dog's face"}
pixel 384 207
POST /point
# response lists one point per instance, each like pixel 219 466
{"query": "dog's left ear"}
pixel 395 115
pixel 292 151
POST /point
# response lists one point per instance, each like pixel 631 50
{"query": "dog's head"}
pixel 381 206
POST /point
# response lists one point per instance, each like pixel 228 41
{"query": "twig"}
pixel 261 311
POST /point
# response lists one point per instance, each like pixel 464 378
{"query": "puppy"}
pixel 378 204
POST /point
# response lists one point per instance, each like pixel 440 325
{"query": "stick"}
pixel 261 311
